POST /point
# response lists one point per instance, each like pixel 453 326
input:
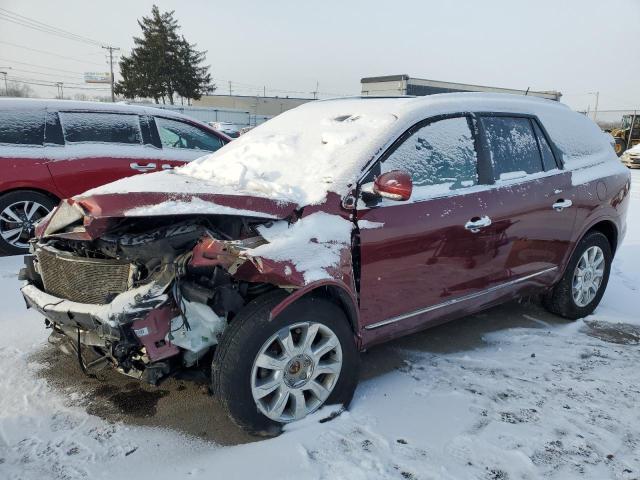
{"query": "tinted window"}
pixel 24 127
pixel 176 134
pixel 440 153
pixel 548 160
pixel 512 145
pixel 81 127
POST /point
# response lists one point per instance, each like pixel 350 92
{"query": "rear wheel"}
pixel 581 288
pixel 271 372
pixel 20 211
pixel 620 146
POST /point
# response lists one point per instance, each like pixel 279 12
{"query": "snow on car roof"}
pixel 63 105
pixel 322 146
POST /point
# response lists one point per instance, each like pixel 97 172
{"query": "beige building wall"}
pixel 269 106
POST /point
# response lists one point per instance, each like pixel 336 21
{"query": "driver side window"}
pixel 176 134
pixel 439 156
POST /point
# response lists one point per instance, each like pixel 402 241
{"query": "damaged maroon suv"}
pixel 333 227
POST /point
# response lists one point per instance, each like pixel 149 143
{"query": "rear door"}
pixel 100 147
pixel 532 194
pixel 436 249
pixel 182 141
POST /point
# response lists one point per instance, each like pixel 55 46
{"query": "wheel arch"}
pixel 331 290
pixel 53 196
pixel 609 229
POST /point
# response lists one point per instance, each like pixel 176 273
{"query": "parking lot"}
pixel 513 392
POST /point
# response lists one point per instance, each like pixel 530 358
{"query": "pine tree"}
pixel 163 63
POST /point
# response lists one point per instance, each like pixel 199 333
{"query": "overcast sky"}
pixel 577 46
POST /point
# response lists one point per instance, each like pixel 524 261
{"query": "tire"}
pixel 12 241
pixel 234 364
pixel 561 300
pixel 620 146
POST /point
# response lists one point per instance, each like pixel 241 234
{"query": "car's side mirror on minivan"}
pixel 394 185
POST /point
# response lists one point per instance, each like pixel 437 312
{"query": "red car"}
pixel 333 227
pixel 56 149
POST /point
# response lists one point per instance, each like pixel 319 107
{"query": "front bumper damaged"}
pixel 123 309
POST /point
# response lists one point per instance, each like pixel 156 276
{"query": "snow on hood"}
pixel 301 154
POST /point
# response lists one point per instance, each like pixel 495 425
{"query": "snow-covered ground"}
pixel 511 393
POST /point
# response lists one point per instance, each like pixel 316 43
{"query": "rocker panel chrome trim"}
pixel 453 301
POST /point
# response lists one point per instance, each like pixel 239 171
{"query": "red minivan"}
pixel 53 149
pixel 335 226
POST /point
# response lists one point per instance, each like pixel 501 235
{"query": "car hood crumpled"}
pixel 100 208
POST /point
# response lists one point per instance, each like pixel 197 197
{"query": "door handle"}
pixel 142 168
pixel 476 223
pixel 561 205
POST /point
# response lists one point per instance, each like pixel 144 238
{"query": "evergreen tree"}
pixel 163 63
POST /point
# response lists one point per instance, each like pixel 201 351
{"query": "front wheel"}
pixel 267 373
pixel 581 288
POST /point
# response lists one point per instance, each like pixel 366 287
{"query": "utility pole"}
pixel 111 50
pixel 6 88
pixel 595 109
pixel 315 94
pixel 230 91
pixel 60 90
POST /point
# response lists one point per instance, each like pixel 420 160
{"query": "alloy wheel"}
pixel 295 371
pixel 18 221
pixel 587 276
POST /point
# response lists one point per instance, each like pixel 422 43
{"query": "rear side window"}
pixel 176 134
pixel 548 159
pixel 94 127
pixel 512 146
pixel 439 153
pixel 22 127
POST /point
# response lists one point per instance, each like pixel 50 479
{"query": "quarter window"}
pixel 94 127
pixel 440 154
pixel 512 146
pixel 176 134
pixel 22 127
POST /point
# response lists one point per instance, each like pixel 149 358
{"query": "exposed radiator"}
pixel 84 280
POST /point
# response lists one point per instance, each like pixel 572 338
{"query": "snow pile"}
pixel 635 150
pixel 312 244
pixel 301 154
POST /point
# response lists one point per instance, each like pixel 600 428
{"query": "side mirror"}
pixel 394 185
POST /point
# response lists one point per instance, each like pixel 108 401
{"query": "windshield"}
pixel 301 154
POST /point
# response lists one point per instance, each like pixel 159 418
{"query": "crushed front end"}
pixel 147 295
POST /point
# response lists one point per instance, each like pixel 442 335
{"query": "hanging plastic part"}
pixel 83 367
pixel 205 329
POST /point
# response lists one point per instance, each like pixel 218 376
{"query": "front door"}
pixel 437 246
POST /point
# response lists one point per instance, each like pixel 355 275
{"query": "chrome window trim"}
pixel 453 301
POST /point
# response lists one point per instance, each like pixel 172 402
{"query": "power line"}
pixel 39 66
pixel 18 19
pixel 50 53
pixel 51 83
pixel 48 74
